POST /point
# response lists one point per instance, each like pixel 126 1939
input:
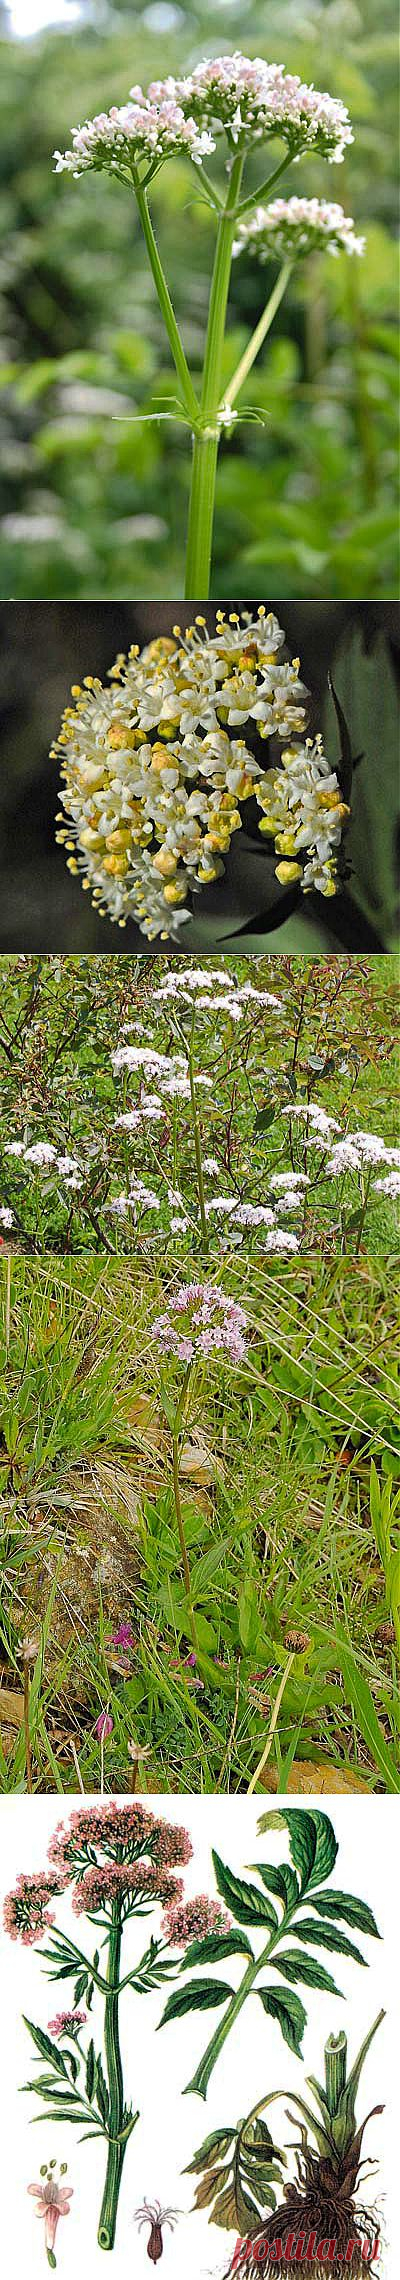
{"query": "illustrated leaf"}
pixel 312 1841
pixel 246 1903
pixel 307 1969
pixel 282 1881
pixel 80 1988
pixel 354 1912
pixel 215 1947
pixel 90 2072
pixel 290 2013
pixel 101 2092
pixel 328 1935
pixel 200 1995
pixel 47 2048
pixel 218 2142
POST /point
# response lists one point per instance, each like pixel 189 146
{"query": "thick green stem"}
pixel 116 2148
pixel 176 345
pixel 205 445
pixel 201 2078
pixel 260 334
pixel 335 2055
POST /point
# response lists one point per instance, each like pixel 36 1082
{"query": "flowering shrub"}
pixel 182 1101
pixel 119 1862
pixel 238 103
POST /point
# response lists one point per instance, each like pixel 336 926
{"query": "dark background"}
pixel 46 646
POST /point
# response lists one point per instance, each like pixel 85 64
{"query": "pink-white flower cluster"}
pixel 26 1912
pixel 253 100
pixel 130 132
pixel 200 1320
pixel 291 227
pixel 117 1833
pixel 134 1882
pixel 67 2023
pixel 193 1919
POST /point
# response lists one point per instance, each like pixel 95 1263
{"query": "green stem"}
pixel 265 187
pixel 181 1533
pixel 176 345
pixel 363 1213
pixel 201 2078
pixel 257 337
pixel 117 2144
pixel 205 445
pixel 197 1147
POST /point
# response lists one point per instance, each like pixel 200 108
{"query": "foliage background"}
pixel 94 499
pixel 43 649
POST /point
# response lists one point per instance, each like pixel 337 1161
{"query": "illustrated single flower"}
pixel 289 227
pixel 156 2217
pixel 52 2202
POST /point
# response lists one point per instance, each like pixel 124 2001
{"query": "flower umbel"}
pixel 291 227
pixel 155 772
pixel 200 1320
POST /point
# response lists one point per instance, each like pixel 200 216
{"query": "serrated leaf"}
pixel 330 1936
pixel 289 2012
pixel 352 1910
pixel 246 1903
pixel 80 1988
pixel 215 1948
pixel 312 1841
pixel 200 1995
pixel 47 2048
pixel 282 1881
pixel 307 1969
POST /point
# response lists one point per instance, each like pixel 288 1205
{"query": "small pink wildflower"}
pixel 104 1725
pixel 212 1324
pixel 67 2023
pixel 123 1637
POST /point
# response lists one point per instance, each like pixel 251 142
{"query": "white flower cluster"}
pixel 354 1152
pixel 304 813
pixel 212 991
pixel 154 776
pixel 252 99
pixel 248 98
pixel 120 138
pixel 6 1217
pixel 290 227
pixel 41 1156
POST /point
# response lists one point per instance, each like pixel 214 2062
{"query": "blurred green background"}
pixel 94 500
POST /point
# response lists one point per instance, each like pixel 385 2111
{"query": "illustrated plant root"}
pixel 321 2204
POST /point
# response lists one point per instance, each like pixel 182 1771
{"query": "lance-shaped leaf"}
pixel 215 1948
pixel 326 1935
pixel 237 2170
pixel 282 1881
pixel 246 1903
pixel 307 1969
pixel 345 1905
pixel 47 2049
pixel 289 2011
pixel 200 1995
pixel 90 2072
pixel 102 2093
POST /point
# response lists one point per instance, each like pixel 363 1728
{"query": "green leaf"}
pixel 312 1840
pixel 265 1117
pixel 307 1969
pixel 90 2072
pixel 248 1615
pixel 246 1903
pixel 290 2013
pixel 352 1911
pixel 358 1693
pixel 330 1936
pixel 200 1995
pixel 215 1947
pixel 46 2047
pixel 218 2142
pixel 282 1881
pixel 102 2096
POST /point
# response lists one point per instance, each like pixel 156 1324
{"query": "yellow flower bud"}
pixel 287 873
pixel 175 894
pixel 165 863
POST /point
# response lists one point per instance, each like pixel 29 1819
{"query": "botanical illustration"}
pixel 118 1863
pixel 319 2217
pixel 313 1852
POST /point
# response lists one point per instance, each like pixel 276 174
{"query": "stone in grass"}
pixel 316 1777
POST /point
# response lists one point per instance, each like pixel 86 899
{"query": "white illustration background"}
pixel 158 2065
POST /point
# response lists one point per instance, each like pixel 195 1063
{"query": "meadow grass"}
pixel 294 1562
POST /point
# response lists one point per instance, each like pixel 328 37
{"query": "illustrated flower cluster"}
pixel 201 1320
pixel 290 227
pixel 154 771
pixel 249 99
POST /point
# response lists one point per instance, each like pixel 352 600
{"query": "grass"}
pixel 294 1557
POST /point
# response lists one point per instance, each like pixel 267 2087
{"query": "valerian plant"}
pixel 119 1861
pixel 296 1888
pixel 200 1323
pixel 238 2169
pixel 239 105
